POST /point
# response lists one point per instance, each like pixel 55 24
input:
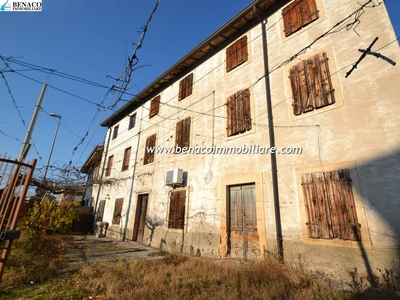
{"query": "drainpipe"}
pixel 133 177
pixel 101 177
pixel 274 169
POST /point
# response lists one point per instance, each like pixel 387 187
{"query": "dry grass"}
pixel 171 277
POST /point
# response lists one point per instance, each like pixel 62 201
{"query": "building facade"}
pixel 207 188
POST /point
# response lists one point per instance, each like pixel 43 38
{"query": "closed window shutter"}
pixel 291 18
pixel 330 205
pixel 231 107
pixel 117 211
pixel 231 57
pixel 150 143
pixel 298 14
pixel 345 212
pixel 238 113
pixel 311 84
pixel 242 53
pixel 326 94
pixel 308 11
pixel 109 165
pixel 177 209
pixel 185 87
pixel 154 106
pixel 127 157
pixel 100 211
pixel 296 90
pixel 182 138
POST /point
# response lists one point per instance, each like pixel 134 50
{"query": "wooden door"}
pixel 244 240
pixel 140 222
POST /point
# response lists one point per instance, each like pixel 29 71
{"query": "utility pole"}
pixel 26 145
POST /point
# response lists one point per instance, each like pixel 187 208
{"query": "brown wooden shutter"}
pixel 242 53
pixel 127 156
pixel 181 89
pixel 154 106
pixel 150 143
pixel 178 137
pixel 308 11
pixel 189 85
pixel 326 94
pixel 231 57
pixel 117 211
pixel 345 206
pixel 109 165
pixel 177 209
pixel 246 110
pixel 310 201
pixel 296 90
pixel 230 109
pixel 291 18
pixel 100 211
pixel 186 130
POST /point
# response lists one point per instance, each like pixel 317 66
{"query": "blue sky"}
pixel 91 39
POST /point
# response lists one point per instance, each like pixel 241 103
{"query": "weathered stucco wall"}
pixel 359 132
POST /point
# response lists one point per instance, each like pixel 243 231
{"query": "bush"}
pixel 48 217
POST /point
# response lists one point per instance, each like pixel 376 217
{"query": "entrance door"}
pixel 140 220
pixel 244 241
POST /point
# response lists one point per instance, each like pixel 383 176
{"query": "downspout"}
pixel 133 178
pixel 274 169
pixel 101 178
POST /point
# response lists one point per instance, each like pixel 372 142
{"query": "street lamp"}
pixel 52 145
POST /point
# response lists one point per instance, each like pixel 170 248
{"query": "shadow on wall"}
pixel 379 182
pixel 152 223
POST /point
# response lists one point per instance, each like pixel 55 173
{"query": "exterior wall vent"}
pixel 174 177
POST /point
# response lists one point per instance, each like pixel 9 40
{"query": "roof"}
pixel 238 25
pixel 93 159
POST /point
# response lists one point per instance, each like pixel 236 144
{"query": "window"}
pixel 117 211
pixel 109 165
pixel 238 113
pixel 176 209
pixel 185 87
pixel 127 156
pixel 236 54
pixel 298 14
pixel 149 155
pixel 154 107
pixel 115 132
pixel 311 84
pixel 182 138
pixel 330 207
pixel 132 121
pixel 100 211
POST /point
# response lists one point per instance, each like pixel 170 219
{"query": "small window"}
pixel 100 211
pixel 150 148
pixel 176 209
pixel 127 157
pixel 298 14
pixel 236 54
pixel 154 107
pixel 238 113
pixel 115 132
pixel 117 211
pixel 185 87
pixel 311 84
pixel 109 165
pixel 330 207
pixel 182 138
pixel 132 121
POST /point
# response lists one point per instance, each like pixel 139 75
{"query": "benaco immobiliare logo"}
pixel 10 5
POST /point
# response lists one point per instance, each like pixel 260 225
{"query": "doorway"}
pixel 242 226
pixel 140 218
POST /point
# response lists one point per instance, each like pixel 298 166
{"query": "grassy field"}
pixel 32 269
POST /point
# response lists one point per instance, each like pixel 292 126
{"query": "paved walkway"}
pixel 89 249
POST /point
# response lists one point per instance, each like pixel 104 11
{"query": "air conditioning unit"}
pixel 174 177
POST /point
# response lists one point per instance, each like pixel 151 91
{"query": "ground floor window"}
pixel 330 206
